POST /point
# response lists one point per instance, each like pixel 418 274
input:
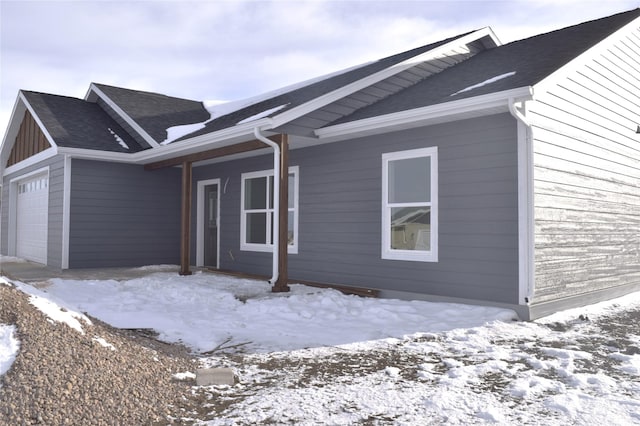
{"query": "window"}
pixel 410 205
pixel 257 211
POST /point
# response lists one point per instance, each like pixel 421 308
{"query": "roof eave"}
pixel 131 122
pixel 577 62
pixel 20 106
pixel 216 139
pixel 422 116
pixel 323 100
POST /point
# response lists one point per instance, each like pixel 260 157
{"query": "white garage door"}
pixel 32 218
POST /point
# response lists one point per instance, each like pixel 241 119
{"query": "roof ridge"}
pixel 590 21
pixel 144 92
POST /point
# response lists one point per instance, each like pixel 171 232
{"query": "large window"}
pixel 257 212
pixel 410 205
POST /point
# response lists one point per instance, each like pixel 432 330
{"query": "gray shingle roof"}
pixel 305 94
pixel 531 59
pixel 155 112
pixel 74 123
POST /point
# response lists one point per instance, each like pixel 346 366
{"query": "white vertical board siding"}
pixel 587 176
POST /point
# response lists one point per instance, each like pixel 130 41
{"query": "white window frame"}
pixel 268 247
pixel 410 255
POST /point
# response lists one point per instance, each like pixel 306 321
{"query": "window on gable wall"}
pixel 257 211
pixel 410 205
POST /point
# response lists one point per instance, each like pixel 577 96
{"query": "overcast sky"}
pixel 228 50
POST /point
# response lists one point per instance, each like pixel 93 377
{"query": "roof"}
pixel 518 64
pixel 467 65
pixel 298 96
pixel 74 123
pixel 155 112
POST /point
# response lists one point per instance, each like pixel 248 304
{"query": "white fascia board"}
pixel 124 115
pixel 425 113
pixel 175 149
pixel 34 159
pixel 13 127
pixel 363 83
pixel 245 129
pixel 21 105
pixel 12 130
pixel 580 60
pixel 93 154
pixel 38 121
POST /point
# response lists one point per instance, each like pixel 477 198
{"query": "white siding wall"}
pixel 587 176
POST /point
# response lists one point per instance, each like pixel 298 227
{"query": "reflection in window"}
pixel 257 213
pixel 410 205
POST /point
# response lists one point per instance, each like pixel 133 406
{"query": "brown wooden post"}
pixel 185 235
pixel 281 284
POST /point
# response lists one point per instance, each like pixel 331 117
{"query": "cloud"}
pixel 234 49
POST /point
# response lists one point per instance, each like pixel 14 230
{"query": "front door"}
pixel 210 237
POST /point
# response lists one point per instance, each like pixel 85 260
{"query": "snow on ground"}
pixel 9 346
pixel 315 356
pixel 207 311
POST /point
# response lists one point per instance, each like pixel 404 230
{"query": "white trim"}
pixel 219 139
pixel 124 116
pixel 28 162
pixel 417 115
pixel 66 210
pixel 579 61
pixel 28 175
pixel 11 131
pixel 327 98
pixel 38 121
pixel 525 216
pixel 526 222
pixel 292 248
pixel 411 255
pixel 200 221
pixel 13 207
pixel 13 128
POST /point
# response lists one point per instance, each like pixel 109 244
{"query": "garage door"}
pixel 32 218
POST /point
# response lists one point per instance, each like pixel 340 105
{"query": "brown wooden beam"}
pixel 185 233
pixel 207 155
pixel 281 284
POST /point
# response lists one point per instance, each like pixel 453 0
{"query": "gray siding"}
pixel 587 175
pixel 122 215
pixel 340 208
pixel 56 188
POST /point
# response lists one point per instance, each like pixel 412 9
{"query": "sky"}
pixel 230 50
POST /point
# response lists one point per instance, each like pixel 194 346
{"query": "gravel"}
pixel 63 377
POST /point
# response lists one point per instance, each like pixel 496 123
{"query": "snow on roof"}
pixel 118 139
pixel 484 83
pixel 262 114
pixel 218 108
pixel 176 132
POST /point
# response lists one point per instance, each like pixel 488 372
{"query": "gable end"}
pixel 29 141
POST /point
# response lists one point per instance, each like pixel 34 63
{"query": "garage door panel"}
pixel 32 218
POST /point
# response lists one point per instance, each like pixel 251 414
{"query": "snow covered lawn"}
pixel 315 356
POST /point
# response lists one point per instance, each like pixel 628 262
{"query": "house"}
pixel 464 170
